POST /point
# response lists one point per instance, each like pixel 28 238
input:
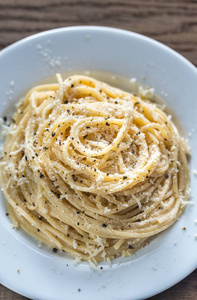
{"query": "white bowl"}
pixel 173 254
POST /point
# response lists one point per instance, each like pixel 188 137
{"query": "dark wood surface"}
pixel 172 22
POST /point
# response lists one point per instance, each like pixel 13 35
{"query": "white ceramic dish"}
pixel 173 254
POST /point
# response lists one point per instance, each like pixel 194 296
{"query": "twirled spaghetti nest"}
pixel 92 170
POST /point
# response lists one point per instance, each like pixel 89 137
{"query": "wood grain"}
pixel 172 22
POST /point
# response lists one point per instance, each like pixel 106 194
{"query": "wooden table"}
pixel 172 22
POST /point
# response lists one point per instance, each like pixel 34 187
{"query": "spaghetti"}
pixel 92 170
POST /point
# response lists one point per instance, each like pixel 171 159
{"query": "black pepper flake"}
pixel 79 290
pixel 116 102
pixel 5 118
pixel 104 225
pixel 7 214
pixel 138 220
pixel 25 157
pixel 68 235
pixel 146 176
pixel 166 176
pixel 124 177
pixel 40 217
pixel 54 250
pixel 133 151
pixel 72 85
pixel 38 229
pixel 87 126
pixel 85 136
pixel 74 177
pixel 42 175
pixel 130 247
pixel 53 134
pixel 136 103
pixel 78 223
pixel 107 174
pixel 107 124
pixel 78 212
pixel 66 101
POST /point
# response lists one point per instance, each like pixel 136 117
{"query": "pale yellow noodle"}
pixel 93 170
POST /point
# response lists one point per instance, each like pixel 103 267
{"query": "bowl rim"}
pixel 99 28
